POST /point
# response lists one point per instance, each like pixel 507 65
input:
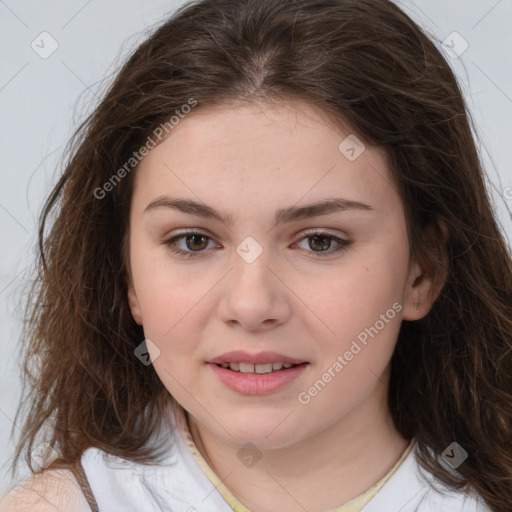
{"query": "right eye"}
pixel 193 240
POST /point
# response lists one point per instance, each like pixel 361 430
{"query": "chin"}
pixel 268 432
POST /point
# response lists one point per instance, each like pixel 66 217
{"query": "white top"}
pixel 180 485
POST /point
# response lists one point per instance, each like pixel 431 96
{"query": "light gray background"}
pixel 42 101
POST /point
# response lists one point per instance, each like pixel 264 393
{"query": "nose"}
pixel 255 296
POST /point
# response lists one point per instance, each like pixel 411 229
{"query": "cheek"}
pixel 353 297
pixel 360 311
pixel 361 318
pixel 169 303
pixel 168 292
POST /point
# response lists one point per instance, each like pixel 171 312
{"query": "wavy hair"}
pixel 366 65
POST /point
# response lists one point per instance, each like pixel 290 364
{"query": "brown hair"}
pixel 364 63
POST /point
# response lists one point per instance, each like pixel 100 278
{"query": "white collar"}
pixel 180 485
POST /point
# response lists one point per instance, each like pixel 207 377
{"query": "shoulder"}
pixel 52 490
pixel 412 489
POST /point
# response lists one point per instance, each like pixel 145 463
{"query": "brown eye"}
pixel 194 244
pixel 197 242
pixel 320 243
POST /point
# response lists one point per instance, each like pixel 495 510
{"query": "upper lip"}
pixel 240 356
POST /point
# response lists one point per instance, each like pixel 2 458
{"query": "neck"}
pixel 316 474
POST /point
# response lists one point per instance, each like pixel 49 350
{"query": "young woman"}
pixel 273 279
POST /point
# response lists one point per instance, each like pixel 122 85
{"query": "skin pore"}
pixel 249 162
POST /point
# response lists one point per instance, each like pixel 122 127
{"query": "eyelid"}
pixel 322 231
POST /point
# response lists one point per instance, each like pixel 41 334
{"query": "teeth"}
pixel 246 367
pixel 256 368
pixel 263 368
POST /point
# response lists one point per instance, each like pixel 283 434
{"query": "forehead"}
pixel 261 154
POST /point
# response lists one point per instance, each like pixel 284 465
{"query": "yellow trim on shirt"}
pixel 354 505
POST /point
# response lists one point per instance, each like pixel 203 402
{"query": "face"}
pixel 259 273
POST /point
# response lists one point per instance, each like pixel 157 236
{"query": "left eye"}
pixel 196 242
pixel 323 241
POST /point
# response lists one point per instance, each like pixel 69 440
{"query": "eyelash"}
pixel 343 244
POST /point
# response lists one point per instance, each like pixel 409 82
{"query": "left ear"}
pixel 422 290
pixel 133 302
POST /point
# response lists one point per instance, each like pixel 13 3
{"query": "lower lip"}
pixel 257 384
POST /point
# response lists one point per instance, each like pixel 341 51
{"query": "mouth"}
pixel 258 369
pixel 247 378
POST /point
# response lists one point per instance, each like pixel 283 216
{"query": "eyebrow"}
pixel 292 213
